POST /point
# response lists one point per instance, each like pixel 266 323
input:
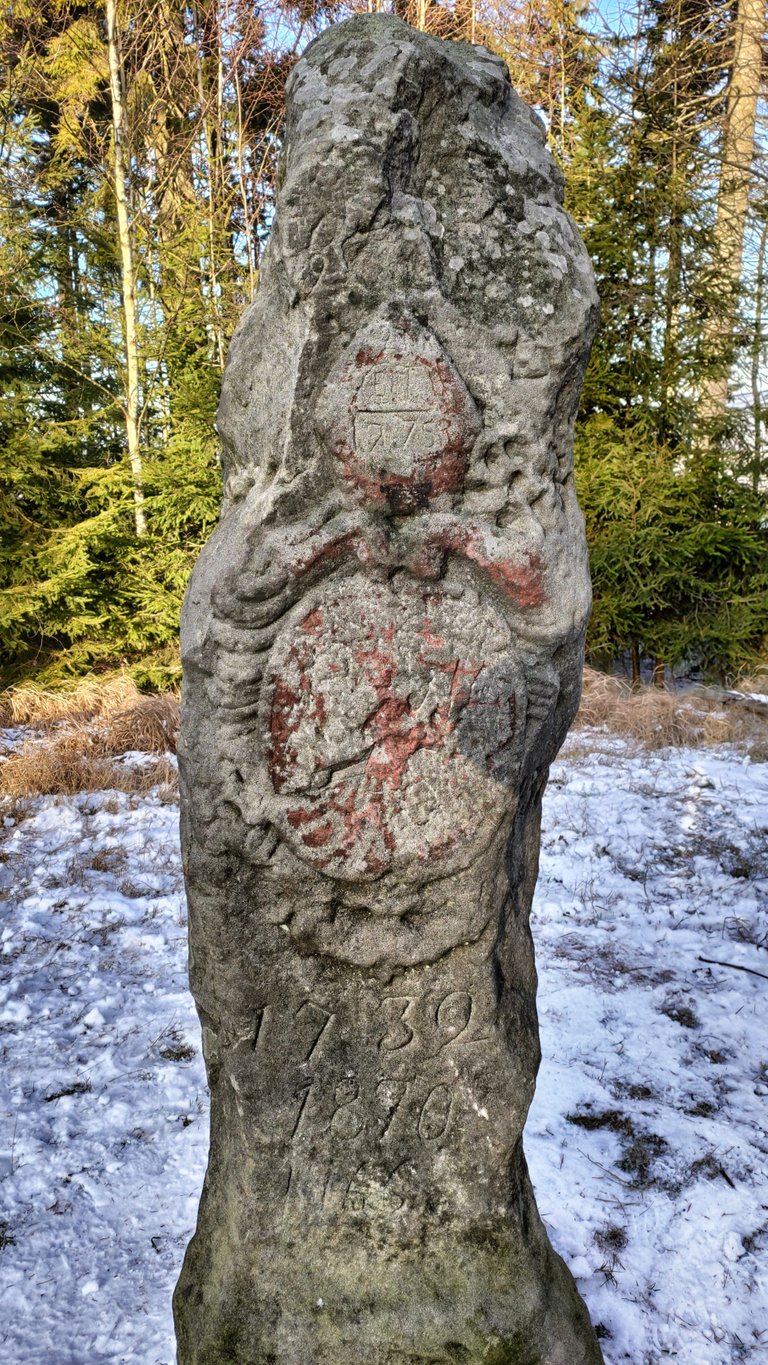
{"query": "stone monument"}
pixel 382 648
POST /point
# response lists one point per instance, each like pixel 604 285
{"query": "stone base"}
pixel 331 1295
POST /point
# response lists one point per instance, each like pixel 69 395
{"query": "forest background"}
pixel 139 147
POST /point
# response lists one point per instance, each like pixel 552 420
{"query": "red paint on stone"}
pixel 521 582
pixel 356 822
pixel 441 849
pixel 287 711
pixel 284 721
pixel 301 816
pixel 434 641
pixel 439 471
pixel 313 624
pixel 396 740
pixel 520 578
pixel 367 356
pixel 373 865
pixel 317 837
pixel 354 816
pixel 327 553
pixel 378 666
pixel 321 714
pixel 402 494
pixel 428 563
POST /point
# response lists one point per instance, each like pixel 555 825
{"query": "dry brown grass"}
pixel 115 708
pixel 67 764
pixel 656 718
pixel 82 701
pixel 150 725
pixel 79 735
pixel 756 682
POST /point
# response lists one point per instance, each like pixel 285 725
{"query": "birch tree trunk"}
pixel 128 284
pixel 733 198
pixel 757 359
pixel 212 138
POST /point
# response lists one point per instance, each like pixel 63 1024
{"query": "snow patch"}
pixel 646 1138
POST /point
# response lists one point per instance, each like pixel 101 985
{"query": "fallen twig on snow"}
pixel 737 967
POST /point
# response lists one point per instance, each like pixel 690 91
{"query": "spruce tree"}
pixel 677 542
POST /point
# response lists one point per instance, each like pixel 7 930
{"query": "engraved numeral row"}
pixel 395 1100
pixel 408 1022
pixel 313 1020
pixel 452 1020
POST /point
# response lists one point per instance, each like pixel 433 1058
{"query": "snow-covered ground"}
pixel 647 1139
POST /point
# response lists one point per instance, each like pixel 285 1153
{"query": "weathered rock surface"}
pixel 382 648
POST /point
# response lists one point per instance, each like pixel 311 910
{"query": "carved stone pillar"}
pixel 382 649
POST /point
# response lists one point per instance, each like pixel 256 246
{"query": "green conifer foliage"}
pixel 679 555
pixel 678 543
pixel 677 538
pixel 79 589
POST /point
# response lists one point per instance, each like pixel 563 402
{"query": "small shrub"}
pixel 612 1119
pixel 640 1092
pixel 177 1052
pixel 640 1156
pixel 150 726
pixel 108 860
pixel 611 1240
pixel 746 930
pixel 76 1088
pixel 640 1149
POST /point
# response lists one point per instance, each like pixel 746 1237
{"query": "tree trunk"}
pixel 733 198
pixel 757 358
pixel 126 267
pixel 248 224
pixel 636 674
pixel 675 229
pixel 215 187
